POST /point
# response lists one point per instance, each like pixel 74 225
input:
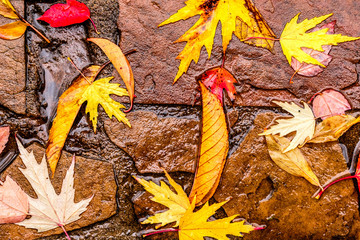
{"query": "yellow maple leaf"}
pixel 177 202
pixel 194 225
pixel 98 93
pixel 7 9
pixel 236 16
pixel 294 37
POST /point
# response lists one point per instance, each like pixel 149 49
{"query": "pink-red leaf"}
pixel 4 137
pixel 330 103
pixel 14 203
pixel 61 15
pixel 217 79
pixel 311 70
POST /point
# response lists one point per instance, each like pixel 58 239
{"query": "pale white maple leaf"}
pixel 49 210
pixel 303 123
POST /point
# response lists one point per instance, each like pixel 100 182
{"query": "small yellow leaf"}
pixel 7 10
pixel 332 128
pixel 67 110
pixel 99 93
pixel 177 202
pixel 236 16
pixel 194 225
pixel 120 62
pixel 295 36
pixel 213 150
pixel 292 161
pixel 12 30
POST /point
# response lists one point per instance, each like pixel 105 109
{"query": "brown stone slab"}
pixel 92 178
pixel 12 68
pixel 263 76
pixel 155 143
pixel 263 193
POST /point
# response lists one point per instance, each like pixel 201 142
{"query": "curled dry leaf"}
pixel 332 128
pixel 213 150
pixel 303 123
pixel 238 16
pixel 311 70
pixel 67 110
pixel 50 210
pixel 330 103
pixel 61 15
pixel 4 137
pixel 195 225
pixel 177 202
pixel 14 204
pixel 120 62
pixel 12 30
pixel 295 37
pixel 291 161
pixel 218 79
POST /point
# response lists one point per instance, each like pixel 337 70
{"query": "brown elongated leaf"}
pixel 14 203
pixel 213 150
pixel 120 62
pixel 4 137
pixel 256 31
pixel 291 161
pixel 7 10
pixel 12 30
pixel 330 103
pixel 67 110
pixel 332 128
pixel 310 70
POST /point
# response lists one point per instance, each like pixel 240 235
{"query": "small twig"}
pixel 79 70
pixel 37 31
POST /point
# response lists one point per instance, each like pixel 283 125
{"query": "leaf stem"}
pixel 94 25
pixel 266 38
pixel 79 70
pixel 67 235
pixel 332 183
pixel 161 231
pixel 37 31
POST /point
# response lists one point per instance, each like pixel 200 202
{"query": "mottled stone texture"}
pixel 263 193
pixel 12 69
pixel 155 143
pixel 263 76
pixel 92 178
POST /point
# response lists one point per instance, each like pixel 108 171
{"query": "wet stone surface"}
pixel 263 76
pixel 12 70
pixel 263 193
pixel 166 125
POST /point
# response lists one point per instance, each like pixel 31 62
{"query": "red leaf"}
pixel 4 137
pixel 217 79
pixel 61 15
pixel 330 103
pixel 311 70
